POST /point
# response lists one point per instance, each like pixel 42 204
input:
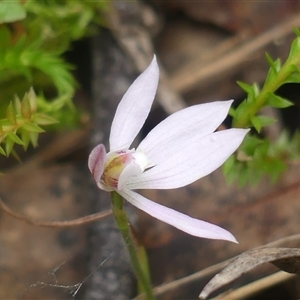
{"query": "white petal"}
pixel 132 169
pixel 96 161
pixel 183 127
pixel 134 108
pixel 188 164
pixel 179 220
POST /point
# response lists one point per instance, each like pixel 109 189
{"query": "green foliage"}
pixel 257 156
pixel 11 11
pixel 22 123
pixel 257 98
pixel 34 35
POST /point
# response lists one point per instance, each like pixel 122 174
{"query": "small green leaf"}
pixel 250 144
pixel 261 121
pixel 32 100
pixel 2 151
pixel 277 101
pixel 16 156
pixel 252 90
pixel 275 65
pixel 270 60
pixel 9 144
pixel 15 138
pixel 295 49
pixel 245 86
pixel 26 109
pixel 266 121
pixel 256 123
pixel 231 169
pixel 270 76
pixel 11 113
pixel 34 138
pixel 256 89
pixel 25 135
pixel 31 127
pixel 297 31
pixel 293 68
pixel 43 119
pixel 274 69
pixel 293 78
pixel 241 110
pixel 17 104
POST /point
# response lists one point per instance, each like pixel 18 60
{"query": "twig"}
pixel 256 286
pixel 71 223
pixel 199 72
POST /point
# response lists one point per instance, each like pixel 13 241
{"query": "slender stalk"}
pixel 124 226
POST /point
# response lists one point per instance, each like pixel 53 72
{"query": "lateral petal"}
pixel 96 161
pixel 191 162
pixel 129 171
pixel 134 108
pixel 182 128
pixel 179 220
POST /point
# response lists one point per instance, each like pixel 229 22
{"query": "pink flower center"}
pixel 114 167
pixel 122 165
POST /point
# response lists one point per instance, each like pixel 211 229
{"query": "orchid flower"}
pixel 178 151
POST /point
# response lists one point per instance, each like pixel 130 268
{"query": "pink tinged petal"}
pixel 96 161
pixel 179 220
pixel 191 162
pixel 182 128
pixel 134 108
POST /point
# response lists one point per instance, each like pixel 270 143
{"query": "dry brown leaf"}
pixel 286 259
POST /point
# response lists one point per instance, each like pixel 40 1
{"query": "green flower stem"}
pixel 287 69
pixel 124 226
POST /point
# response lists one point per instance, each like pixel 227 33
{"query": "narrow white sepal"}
pixel 191 162
pixel 183 127
pixel 179 220
pixel 134 108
